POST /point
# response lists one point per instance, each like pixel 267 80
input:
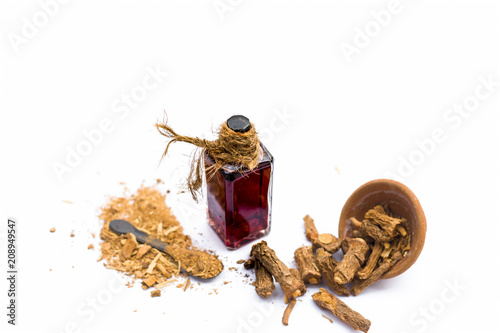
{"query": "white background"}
pixel 281 64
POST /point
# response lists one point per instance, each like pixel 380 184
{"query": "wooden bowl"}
pixel 403 203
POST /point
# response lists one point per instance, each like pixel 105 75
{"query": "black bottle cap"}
pixel 239 124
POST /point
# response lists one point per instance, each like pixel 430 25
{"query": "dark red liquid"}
pixel 239 203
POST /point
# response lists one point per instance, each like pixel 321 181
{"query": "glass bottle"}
pixel 239 199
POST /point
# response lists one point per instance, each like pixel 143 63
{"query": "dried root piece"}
pixel 386 250
pixel 374 232
pixel 358 231
pixel 355 223
pixel 328 301
pixel 292 286
pixel 377 216
pixel 304 257
pixel 405 246
pixel 295 272
pixel 326 265
pixel 250 263
pixel 288 311
pixel 328 242
pixel 376 275
pixel 310 227
pixel 401 230
pixel 371 262
pixel 264 283
pixel 358 234
pixel 352 261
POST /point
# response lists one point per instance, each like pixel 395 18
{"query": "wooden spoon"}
pixel 194 262
pixel 403 203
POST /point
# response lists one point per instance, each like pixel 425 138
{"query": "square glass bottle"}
pixel 239 199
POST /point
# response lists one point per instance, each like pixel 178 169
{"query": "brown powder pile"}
pixel 147 211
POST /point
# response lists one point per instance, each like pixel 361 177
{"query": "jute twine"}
pixel 231 148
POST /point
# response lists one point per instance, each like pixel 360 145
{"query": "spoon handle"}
pixel 153 242
pixel 122 227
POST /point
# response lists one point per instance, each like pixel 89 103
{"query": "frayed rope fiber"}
pixel 233 148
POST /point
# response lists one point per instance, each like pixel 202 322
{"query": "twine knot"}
pixel 231 148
